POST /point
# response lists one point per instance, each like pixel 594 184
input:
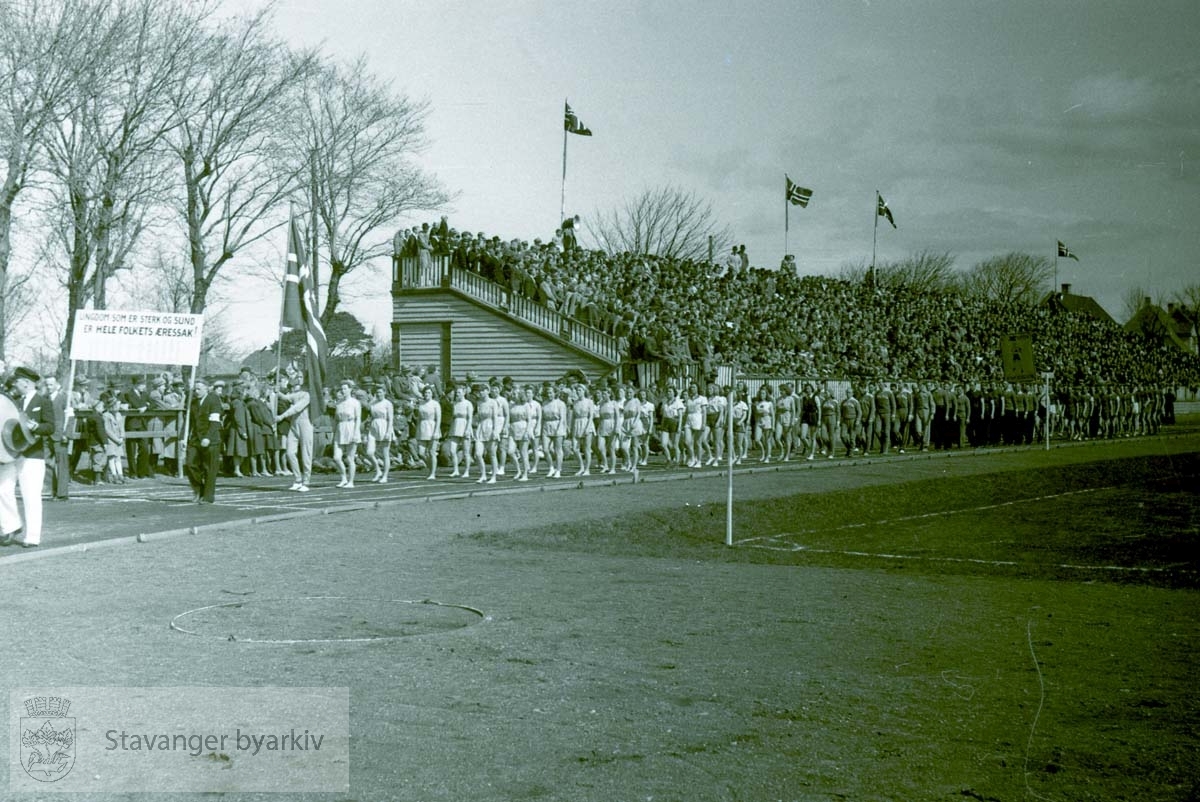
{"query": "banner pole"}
pixel 730 459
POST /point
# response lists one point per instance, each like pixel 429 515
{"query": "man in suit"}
pixel 204 443
pixel 28 469
pixel 60 444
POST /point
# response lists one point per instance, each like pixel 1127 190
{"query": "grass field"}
pixel 1134 520
pixel 1000 627
pixel 1064 667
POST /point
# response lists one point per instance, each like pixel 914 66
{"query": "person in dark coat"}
pixel 204 443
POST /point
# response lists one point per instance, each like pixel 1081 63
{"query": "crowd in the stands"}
pixel 779 322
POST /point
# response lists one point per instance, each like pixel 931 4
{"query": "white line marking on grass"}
pixel 923 515
pixel 793 547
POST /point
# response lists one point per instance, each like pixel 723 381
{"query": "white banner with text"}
pixel 154 338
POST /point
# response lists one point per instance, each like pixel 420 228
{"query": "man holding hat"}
pixel 204 443
pixel 24 442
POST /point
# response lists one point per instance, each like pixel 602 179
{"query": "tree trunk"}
pixel 333 296
pixel 5 255
pixel 196 253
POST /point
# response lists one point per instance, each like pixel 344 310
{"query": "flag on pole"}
pixel 797 195
pixel 299 312
pixel 573 125
pixel 882 209
pixel 1065 252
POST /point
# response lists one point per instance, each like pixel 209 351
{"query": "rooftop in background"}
pixel 1176 324
pixel 1077 304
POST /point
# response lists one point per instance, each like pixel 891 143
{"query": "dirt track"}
pixel 610 677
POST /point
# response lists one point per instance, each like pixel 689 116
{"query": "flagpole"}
pixel 786 203
pixel 315 256
pixel 874 237
pixel 1054 288
pixel 562 200
pixel 283 295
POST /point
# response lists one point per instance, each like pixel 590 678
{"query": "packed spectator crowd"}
pixel 778 322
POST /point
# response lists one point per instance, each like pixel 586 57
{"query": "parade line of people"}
pixel 487 430
pixel 484 431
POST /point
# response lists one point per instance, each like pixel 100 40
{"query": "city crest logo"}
pixel 47 738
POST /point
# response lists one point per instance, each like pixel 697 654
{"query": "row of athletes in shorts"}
pixel 607 428
pixel 612 427
pixel 1106 411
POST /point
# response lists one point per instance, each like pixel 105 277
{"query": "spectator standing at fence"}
pixel 237 430
pixel 425 256
pixel 155 426
pixel 137 449
pixel 113 423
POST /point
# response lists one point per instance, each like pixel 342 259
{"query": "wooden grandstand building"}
pixel 460 322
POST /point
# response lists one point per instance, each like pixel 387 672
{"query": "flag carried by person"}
pixel 573 125
pixel 797 195
pixel 300 312
pixel 1065 252
pixel 882 210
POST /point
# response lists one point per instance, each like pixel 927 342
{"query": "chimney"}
pixel 1146 301
pixel 1066 289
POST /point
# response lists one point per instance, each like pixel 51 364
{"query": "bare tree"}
pixel 1012 278
pixel 164 285
pixel 1189 297
pixel 38 41
pixel 1134 298
pixel 924 271
pixel 21 295
pixel 107 153
pixel 666 221
pixel 360 136
pixel 229 112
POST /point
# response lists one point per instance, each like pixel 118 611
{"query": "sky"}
pixel 988 127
